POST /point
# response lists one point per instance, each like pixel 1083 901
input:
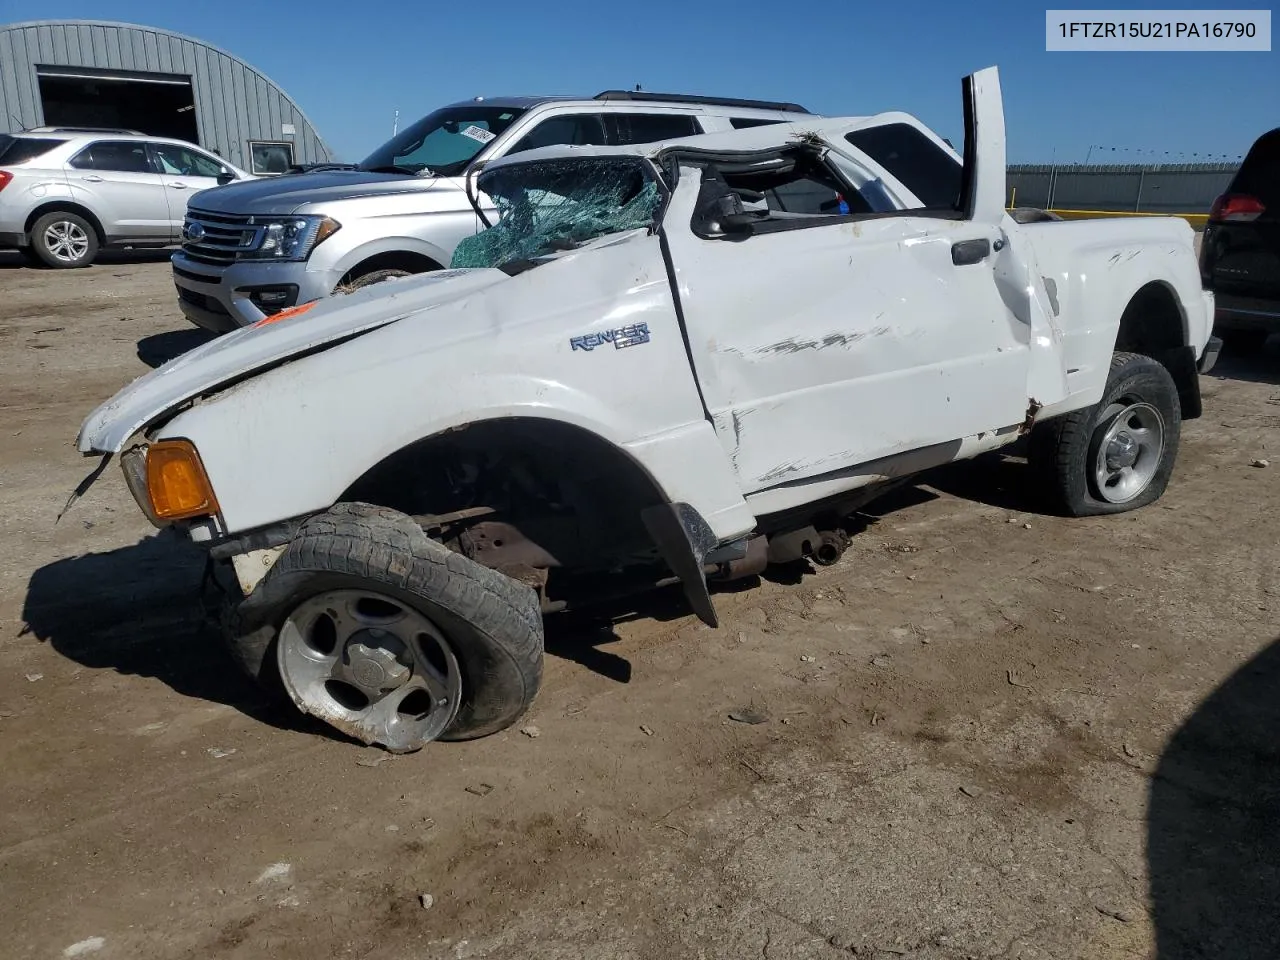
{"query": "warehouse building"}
pixel 84 73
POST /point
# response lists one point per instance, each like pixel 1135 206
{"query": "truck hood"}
pixel 250 350
pixel 288 194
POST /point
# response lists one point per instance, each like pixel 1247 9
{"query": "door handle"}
pixel 92 179
pixel 178 186
pixel 970 251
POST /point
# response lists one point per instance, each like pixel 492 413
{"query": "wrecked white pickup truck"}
pixel 664 363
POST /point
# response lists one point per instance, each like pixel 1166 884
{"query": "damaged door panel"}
pixel 984 148
pixel 881 314
pixel 831 367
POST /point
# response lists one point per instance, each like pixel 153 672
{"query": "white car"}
pixel 68 192
pixel 673 362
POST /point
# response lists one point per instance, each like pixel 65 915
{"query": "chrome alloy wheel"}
pixel 67 241
pixel 1127 451
pixel 372 666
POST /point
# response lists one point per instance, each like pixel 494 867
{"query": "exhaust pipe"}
pixel 831 547
pixel 753 562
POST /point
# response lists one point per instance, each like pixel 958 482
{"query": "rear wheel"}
pixel 1117 455
pixel 389 636
pixel 64 240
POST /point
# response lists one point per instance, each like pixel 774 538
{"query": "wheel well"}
pixel 66 206
pixel 391 260
pixel 578 496
pixel 1152 325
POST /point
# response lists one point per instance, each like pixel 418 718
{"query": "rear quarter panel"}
pixel 1093 268
pixel 30 189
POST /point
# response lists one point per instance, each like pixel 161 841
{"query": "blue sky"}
pixel 351 65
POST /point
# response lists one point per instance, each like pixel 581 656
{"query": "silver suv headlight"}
pixel 290 238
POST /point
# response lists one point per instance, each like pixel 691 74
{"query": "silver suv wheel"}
pixel 66 240
pixel 63 239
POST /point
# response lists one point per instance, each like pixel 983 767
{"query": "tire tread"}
pixel 380 546
pixel 1057 449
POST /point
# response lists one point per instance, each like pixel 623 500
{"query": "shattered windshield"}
pixel 444 142
pixel 552 205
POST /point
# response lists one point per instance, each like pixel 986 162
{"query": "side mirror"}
pixel 722 216
pixel 225 177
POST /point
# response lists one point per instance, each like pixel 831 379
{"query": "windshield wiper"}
pixel 397 168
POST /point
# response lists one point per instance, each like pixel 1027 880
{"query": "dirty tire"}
pixel 64 240
pixel 493 623
pixel 369 279
pixel 1063 451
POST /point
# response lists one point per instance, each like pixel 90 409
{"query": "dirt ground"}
pixel 989 732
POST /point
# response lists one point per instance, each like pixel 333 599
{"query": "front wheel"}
pixel 387 635
pixel 1117 455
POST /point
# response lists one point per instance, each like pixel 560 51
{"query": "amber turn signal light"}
pixel 286 313
pixel 176 482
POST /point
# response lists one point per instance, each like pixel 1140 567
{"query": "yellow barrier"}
pixel 1196 220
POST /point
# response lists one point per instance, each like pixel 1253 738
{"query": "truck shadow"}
pixel 581 638
pixel 581 635
pixel 1249 365
pixel 1001 479
pixel 160 348
pixel 137 610
pixel 140 611
pixel 1212 822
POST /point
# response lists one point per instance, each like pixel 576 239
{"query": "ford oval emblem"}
pixel 193 232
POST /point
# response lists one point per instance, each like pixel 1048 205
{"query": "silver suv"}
pixel 66 192
pixel 252 250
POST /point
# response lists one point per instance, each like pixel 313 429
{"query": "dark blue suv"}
pixel 1240 256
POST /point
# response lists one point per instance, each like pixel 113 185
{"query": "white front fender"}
pixel 292 440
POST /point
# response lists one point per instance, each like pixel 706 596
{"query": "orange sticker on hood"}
pixel 286 313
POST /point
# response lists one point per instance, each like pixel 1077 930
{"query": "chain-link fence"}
pixel 1185 189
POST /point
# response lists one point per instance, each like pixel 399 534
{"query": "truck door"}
pixel 857 318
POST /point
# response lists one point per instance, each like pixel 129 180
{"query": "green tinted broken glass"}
pixel 549 206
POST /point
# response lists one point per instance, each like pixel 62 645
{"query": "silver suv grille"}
pixel 218 238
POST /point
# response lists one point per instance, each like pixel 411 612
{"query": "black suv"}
pixel 1240 257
